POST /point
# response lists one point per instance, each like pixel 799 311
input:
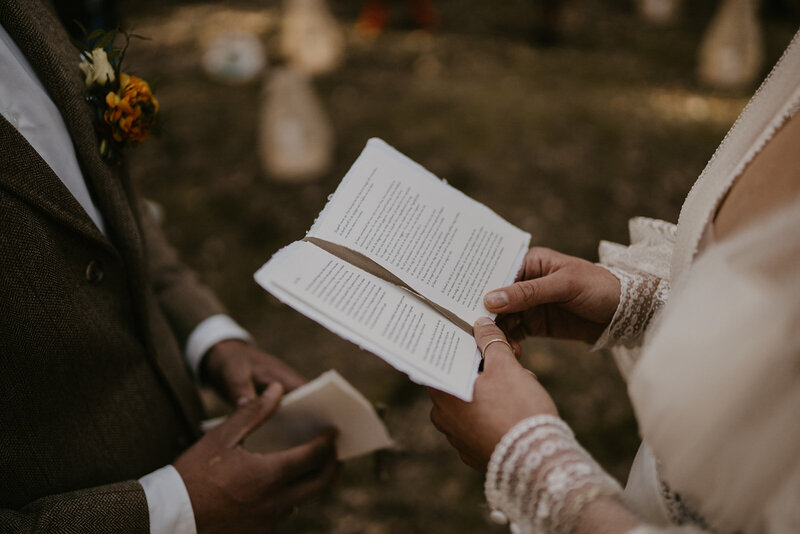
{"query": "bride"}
pixel 703 319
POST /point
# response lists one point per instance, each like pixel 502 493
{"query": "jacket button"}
pixel 94 272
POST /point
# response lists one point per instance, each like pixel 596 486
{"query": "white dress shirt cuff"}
pixel 209 332
pixel 168 502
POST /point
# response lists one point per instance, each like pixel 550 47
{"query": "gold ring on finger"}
pixel 495 340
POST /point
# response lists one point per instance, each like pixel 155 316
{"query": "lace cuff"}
pixel 540 478
pixel 641 296
pixel 643 269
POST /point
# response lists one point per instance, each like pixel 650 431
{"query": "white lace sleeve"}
pixel 641 296
pixel 643 269
pixel 539 478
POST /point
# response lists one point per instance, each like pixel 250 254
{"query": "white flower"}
pixel 97 69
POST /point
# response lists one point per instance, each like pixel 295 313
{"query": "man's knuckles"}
pixel 256 410
pixel 248 416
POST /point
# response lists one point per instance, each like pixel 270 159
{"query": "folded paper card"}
pixel 328 401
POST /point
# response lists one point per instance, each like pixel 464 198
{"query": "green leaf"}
pixel 80 26
pixel 94 35
pixel 124 48
pixel 106 40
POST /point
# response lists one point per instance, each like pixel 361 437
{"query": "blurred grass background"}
pixel 566 142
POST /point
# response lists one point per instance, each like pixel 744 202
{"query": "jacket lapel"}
pixel 47 192
pixel 40 35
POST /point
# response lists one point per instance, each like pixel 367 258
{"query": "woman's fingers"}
pixel 532 286
pixel 527 294
pixel 515 346
pixel 492 342
pixel 436 419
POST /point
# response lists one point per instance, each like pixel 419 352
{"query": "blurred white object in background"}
pixel 295 136
pixel 660 12
pixel 732 51
pixel 234 56
pixel 311 39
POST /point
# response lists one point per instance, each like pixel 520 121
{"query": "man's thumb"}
pixel 251 415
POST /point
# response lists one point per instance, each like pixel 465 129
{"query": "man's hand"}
pixel 239 371
pixel 505 394
pixel 556 296
pixel 233 490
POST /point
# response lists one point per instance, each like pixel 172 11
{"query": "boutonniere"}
pixel 125 107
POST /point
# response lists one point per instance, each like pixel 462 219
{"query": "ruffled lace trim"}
pixel 650 251
pixel 539 478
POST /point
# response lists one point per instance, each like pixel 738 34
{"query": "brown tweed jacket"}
pixel 93 389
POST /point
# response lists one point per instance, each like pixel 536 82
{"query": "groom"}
pixel 99 415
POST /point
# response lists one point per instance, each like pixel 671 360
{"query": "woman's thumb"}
pixel 526 294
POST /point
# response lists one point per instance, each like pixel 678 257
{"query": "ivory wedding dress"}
pixel 708 337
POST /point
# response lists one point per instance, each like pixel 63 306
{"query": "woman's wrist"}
pixel 641 296
pixel 540 478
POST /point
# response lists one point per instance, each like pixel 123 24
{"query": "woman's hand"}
pixel 556 296
pixel 505 393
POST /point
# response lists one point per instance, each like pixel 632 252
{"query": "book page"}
pixel 379 316
pixel 441 243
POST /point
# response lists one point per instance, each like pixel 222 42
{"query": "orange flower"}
pixel 132 110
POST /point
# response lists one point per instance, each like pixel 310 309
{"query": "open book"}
pixel 398 263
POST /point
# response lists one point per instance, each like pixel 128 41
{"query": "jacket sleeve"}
pixel 119 508
pixel 184 299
